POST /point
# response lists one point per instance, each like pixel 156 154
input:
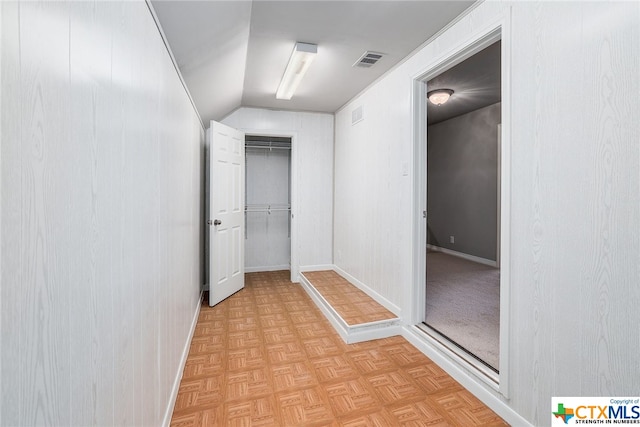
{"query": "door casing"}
pixel 295 264
pixel 416 298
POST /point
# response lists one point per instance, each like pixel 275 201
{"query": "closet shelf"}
pixel 267 208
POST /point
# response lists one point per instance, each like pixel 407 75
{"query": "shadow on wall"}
pixel 462 174
pixel 431 237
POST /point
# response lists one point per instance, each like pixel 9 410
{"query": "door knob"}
pixel 217 222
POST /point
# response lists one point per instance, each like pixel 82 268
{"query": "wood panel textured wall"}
pixel 101 215
pixel 313 169
pixel 575 201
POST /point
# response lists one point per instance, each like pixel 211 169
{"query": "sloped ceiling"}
pixel 209 40
pixel 233 53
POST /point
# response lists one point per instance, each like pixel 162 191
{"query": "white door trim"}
pixel 499 30
pixel 295 264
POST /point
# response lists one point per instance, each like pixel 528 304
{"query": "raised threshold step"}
pixel 355 315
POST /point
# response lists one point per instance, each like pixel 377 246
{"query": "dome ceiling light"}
pixel 439 96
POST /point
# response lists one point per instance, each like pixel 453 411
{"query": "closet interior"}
pixel 268 203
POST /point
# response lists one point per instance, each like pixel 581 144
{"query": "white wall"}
pixel 312 194
pixel 575 199
pixel 462 176
pixel 101 215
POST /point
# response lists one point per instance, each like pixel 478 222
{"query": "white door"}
pixel 226 212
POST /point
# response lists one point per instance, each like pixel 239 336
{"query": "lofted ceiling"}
pixel 233 53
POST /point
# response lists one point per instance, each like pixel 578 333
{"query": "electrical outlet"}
pixel 452 239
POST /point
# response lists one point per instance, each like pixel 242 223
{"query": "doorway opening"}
pixel 461 231
pixel 463 204
pixel 267 203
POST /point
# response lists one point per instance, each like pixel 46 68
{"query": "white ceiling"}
pixel 233 53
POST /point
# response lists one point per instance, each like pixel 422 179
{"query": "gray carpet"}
pixel 463 303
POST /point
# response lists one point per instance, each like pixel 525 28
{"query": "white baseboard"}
pixel 183 361
pixel 471 381
pixel 367 290
pixel 267 268
pixel 479 260
pixel 326 309
pixel 356 333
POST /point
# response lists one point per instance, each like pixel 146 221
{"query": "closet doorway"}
pixel 268 219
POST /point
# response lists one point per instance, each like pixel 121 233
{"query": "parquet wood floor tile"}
pixel 195 394
pixel 313 330
pixel 465 409
pixel 404 354
pixel 246 324
pixel 304 407
pixel 244 339
pixel 306 317
pixel 284 365
pixel 320 347
pixel 371 361
pixel 245 384
pixel 394 386
pixel 351 396
pixel 258 411
pixel 207 417
pixel 373 419
pixel 419 413
pixel 248 358
pixel 278 334
pixel 432 378
pixel 293 376
pixel 334 368
pixel 286 352
pixel 207 364
pixel 206 344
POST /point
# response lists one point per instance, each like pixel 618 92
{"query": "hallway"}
pixel 105 210
pixel 267 356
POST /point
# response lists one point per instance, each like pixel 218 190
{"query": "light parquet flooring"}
pixel 267 357
pixel 354 306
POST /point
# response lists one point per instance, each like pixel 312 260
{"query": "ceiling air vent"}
pixel 368 59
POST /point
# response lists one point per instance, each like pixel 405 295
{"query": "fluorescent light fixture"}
pixel 301 58
pixel 439 96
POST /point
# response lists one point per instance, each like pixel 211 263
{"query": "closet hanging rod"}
pixel 267 147
pixel 267 207
pixel 268 210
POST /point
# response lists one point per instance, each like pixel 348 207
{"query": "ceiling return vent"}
pixel 368 59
